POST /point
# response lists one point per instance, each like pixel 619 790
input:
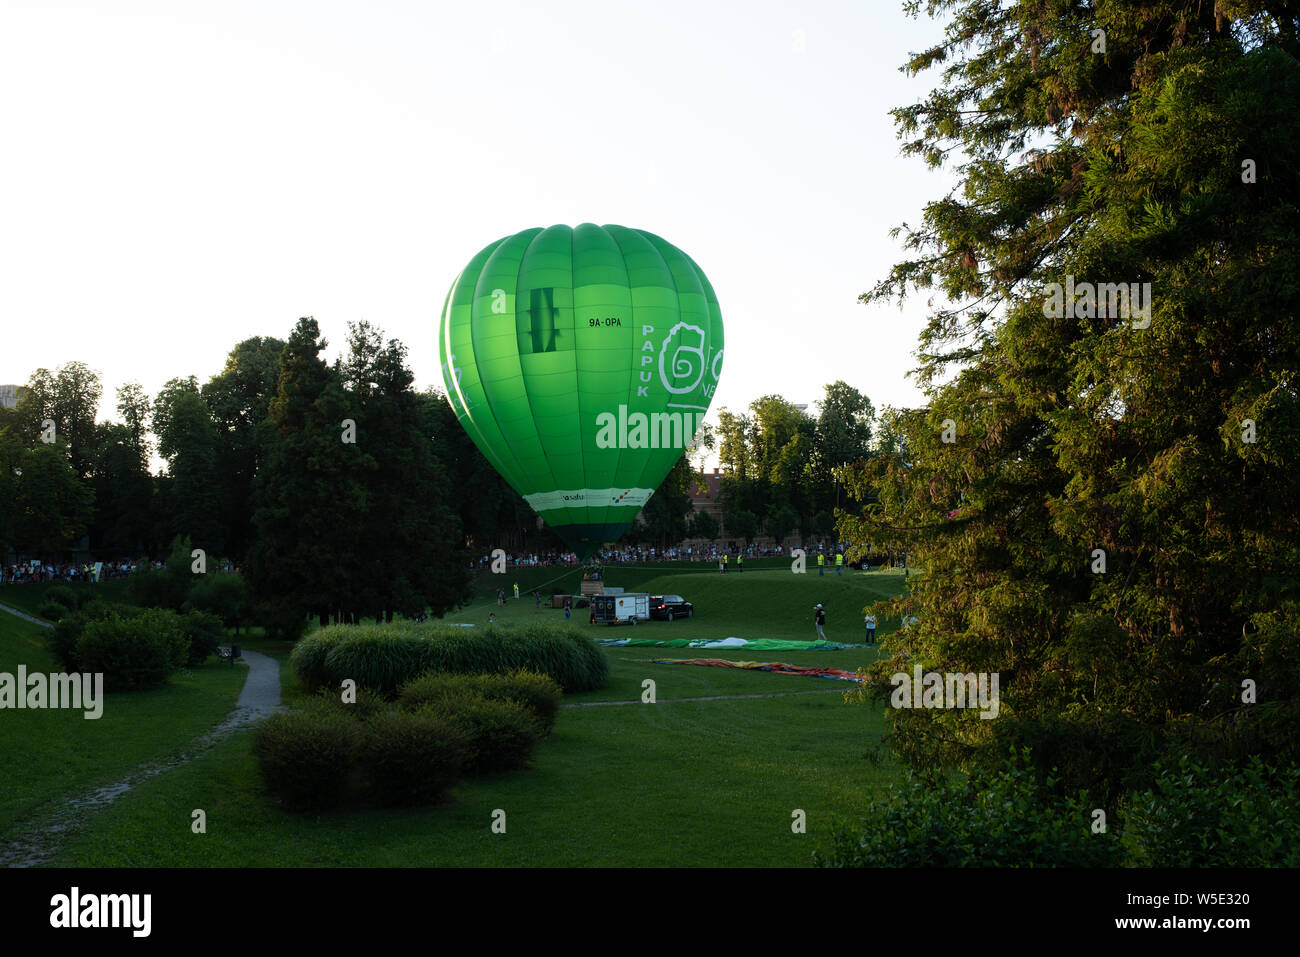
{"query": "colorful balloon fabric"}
pixel 581 362
pixel 775 667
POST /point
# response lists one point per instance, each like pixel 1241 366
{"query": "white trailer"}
pixel 628 608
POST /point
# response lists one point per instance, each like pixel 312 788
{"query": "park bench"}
pixel 230 653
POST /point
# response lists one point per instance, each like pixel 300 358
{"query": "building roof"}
pixel 704 488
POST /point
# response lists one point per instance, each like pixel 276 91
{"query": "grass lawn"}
pixel 675 783
pixel 766 600
pixel 30 596
pixel 50 753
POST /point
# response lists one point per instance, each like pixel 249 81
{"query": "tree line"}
pixel 339 490
pixel 371 520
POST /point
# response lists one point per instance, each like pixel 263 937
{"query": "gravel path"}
pixel 26 617
pixel 41 836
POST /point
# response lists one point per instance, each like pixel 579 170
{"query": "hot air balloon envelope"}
pixel 581 361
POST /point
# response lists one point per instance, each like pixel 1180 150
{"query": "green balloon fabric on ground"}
pixel 581 362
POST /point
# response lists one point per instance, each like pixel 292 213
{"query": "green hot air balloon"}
pixel 581 361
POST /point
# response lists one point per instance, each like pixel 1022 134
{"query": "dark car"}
pixel 668 607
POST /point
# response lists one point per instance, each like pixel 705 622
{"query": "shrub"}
pixel 412 758
pixel 65 595
pixel 501 734
pixel 1192 817
pixel 575 661
pixel 383 657
pixel 539 693
pixel 441 690
pixel 308 759
pixel 133 653
pixel 152 587
pixel 62 638
pixel 993 819
pixel 379 657
pixel 204 633
pixel 52 610
pixel 224 595
pixel 367 704
pixel 97 609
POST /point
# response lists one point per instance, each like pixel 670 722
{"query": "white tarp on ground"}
pixel 697 643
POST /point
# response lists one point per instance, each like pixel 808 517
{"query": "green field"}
pixel 52 753
pixel 671 783
pixel 30 597
pixel 765 601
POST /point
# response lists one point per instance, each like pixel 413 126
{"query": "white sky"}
pixel 176 176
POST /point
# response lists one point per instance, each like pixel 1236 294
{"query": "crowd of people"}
pixel 23 572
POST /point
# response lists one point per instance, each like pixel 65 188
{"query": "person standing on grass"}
pixel 839 563
pixel 740 562
pixel 820 619
pixel 821 564
pixel 538 595
pixel 871 629
pixel 516 590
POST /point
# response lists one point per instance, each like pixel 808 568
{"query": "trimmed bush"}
pixel 442 690
pixel 52 611
pixel 412 758
pixel 368 703
pixel 133 653
pixel 308 660
pixel 378 656
pixel 501 734
pixel 204 633
pixel 575 661
pixel 308 758
pixel 539 693
pixel 385 656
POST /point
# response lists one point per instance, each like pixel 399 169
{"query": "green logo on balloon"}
pixel 581 361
